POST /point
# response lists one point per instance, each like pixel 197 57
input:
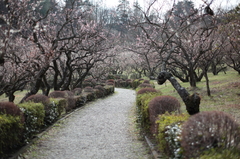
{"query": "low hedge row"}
pixel 11 130
pixel 18 127
pixel 136 83
pixel 204 135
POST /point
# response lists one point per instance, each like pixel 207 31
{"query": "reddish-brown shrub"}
pixel 69 93
pixel 10 108
pixel 160 105
pixel 88 89
pixel 123 84
pixel 101 90
pixel 90 82
pixel 117 83
pixel 71 104
pixel 146 90
pixel 146 81
pixel 205 130
pixel 58 94
pixel 39 98
pixel 110 83
pixel 77 91
pixel 128 83
pixel 128 80
pixel 144 85
pixel 111 80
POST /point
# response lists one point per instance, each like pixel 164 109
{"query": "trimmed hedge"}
pixel 34 114
pixel 209 130
pixel 80 100
pixel 71 104
pixel 223 154
pixel 109 89
pixel 19 123
pixel 60 104
pixel 136 83
pixel 169 133
pixel 142 101
pixel 11 129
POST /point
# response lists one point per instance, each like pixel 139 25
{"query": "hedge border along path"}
pixel 100 130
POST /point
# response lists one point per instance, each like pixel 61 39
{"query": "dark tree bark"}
pixel 37 84
pixel 45 86
pixel 11 96
pixel 207 84
pixel 192 102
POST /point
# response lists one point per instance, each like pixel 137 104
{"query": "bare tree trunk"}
pixel 46 86
pixel 11 96
pixel 37 84
pixel 192 102
pixel 207 84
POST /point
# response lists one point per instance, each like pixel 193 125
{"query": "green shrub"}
pixel 61 103
pixel 136 83
pixel 169 133
pixel 145 90
pixel 51 112
pixel 56 108
pixel 80 100
pixel 142 101
pixel 109 89
pixel 134 76
pixel 11 129
pixel 223 154
pixel 34 117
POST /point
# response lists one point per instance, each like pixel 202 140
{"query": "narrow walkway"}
pixel 101 130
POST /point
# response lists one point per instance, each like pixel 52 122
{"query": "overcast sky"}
pixel 198 3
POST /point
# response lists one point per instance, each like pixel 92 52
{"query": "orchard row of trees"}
pixel 50 44
pixel 47 45
pixel 186 41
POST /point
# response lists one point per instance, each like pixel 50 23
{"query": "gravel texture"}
pixel 103 129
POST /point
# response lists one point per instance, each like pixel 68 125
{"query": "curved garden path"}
pixel 103 129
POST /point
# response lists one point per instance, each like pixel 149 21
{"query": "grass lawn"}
pixel 18 96
pixel 225 93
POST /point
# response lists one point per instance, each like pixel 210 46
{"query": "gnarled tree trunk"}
pixel 192 102
pixel 37 83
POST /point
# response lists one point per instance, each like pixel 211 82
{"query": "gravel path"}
pixel 103 129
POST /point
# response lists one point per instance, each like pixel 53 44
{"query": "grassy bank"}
pixel 225 93
pixel 18 96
